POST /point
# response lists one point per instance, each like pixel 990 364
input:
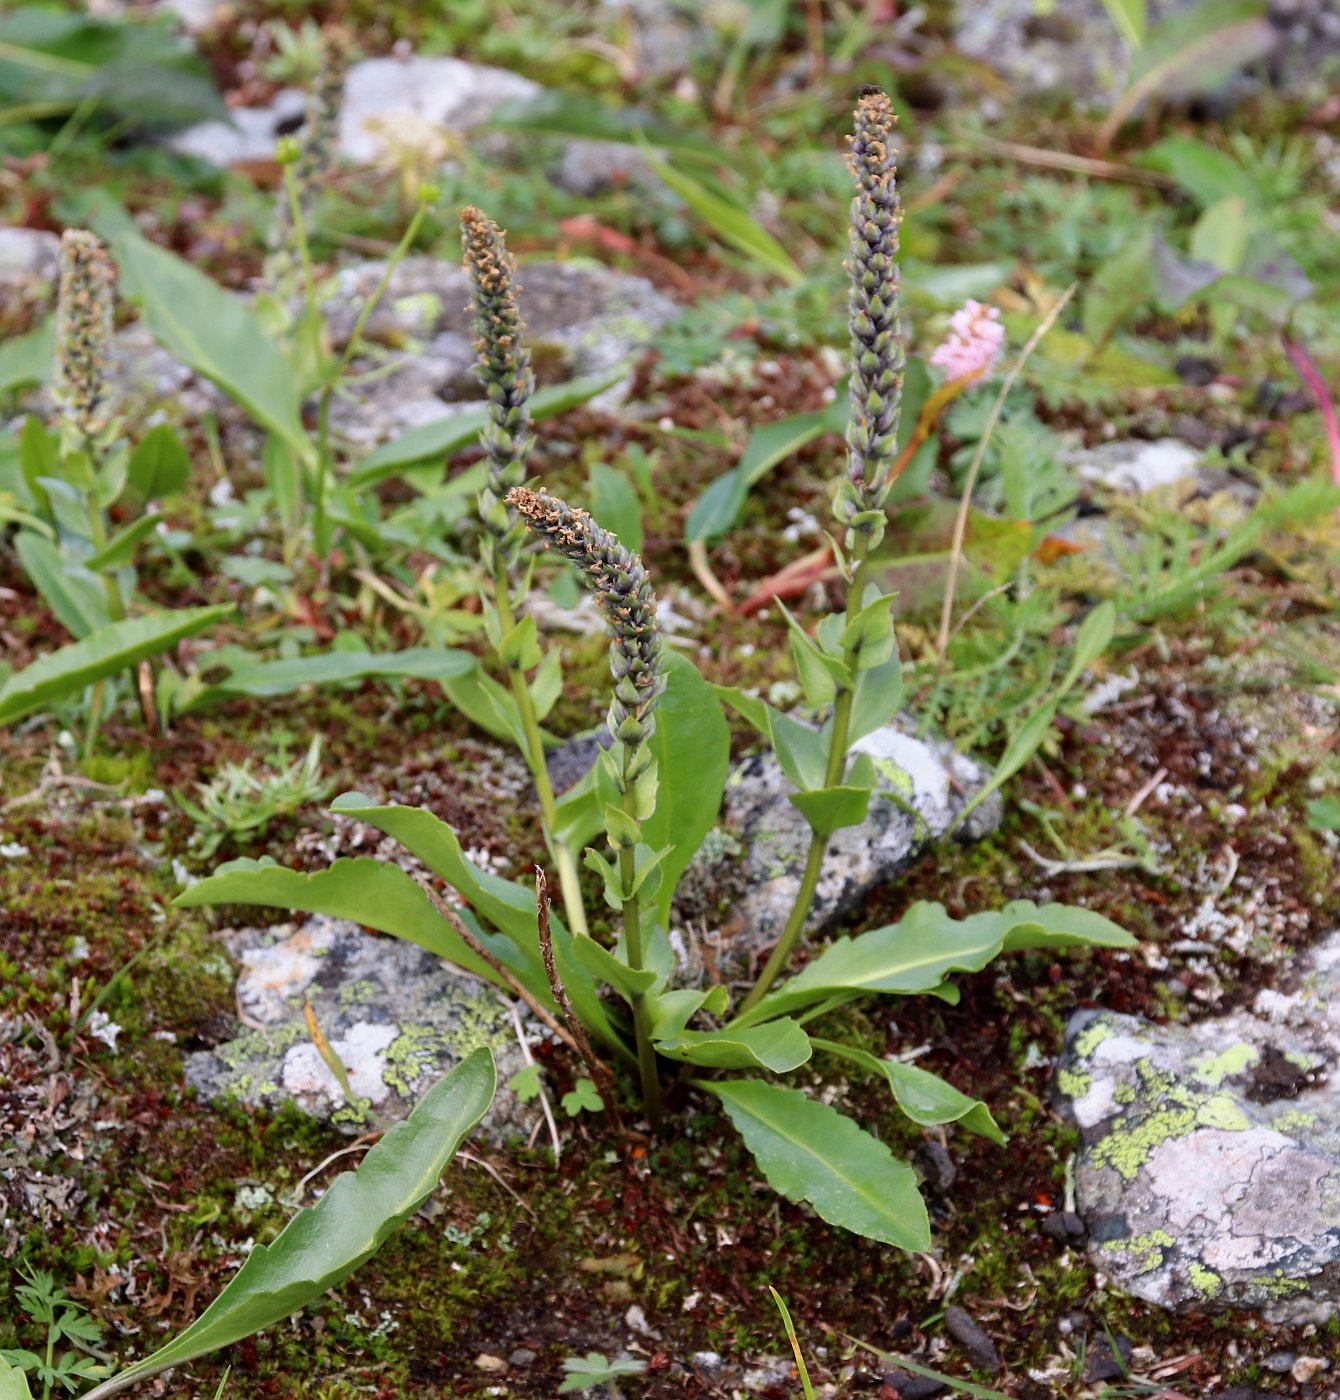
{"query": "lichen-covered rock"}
pixel 1209 1175
pixel 1135 466
pixel 397 1018
pixel 927 783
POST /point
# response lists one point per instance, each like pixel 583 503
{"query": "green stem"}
pixel 836 771
pixel 300 235
pixel 568 879
pixel 632 936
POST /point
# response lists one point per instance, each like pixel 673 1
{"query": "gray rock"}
pixel 405 93
pixel 397 1017
pixel 584 314
pixel 977 1346
pixel 27 255
pixel 1076 49
pixel 1209 1174
pixel 666 36
pixel 589 168
pixel 1135 466
pixel 932 784
pixel 251 135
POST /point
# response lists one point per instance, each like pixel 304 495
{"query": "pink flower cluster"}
pixel 975 339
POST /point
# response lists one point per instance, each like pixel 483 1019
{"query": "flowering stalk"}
pixel 314 157
pixel 622 589
pixel 872 439
pixel 83 330
pixel 503 367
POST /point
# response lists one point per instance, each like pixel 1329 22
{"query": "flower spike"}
pixel 623 591
pixel 83 329
pixel 872 301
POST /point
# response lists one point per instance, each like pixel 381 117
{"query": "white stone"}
pixel 308 1078
pixel 444 92
pixel 1138 466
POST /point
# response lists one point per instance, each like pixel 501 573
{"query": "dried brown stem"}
pixel 476 947
pixel 600 1076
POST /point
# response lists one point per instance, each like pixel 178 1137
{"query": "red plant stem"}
pixel 1321 396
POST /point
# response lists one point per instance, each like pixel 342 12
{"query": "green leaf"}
pixel 322 1245
pixel 601 963
pixel 780 1046
pixel 71 591
pixel 1220 234
pixel 917 953
pixel 615 504
pixel 829 809
pixel 26 359
pixel 1130 19
pixel 555 112
pixel 486 703
pixel 39 458
pixel 717 511
pixel 821 674
pixel 13 1382
pixel 878 697
pixel 729 222
pixel 1206 173
pixel 870 633
pixel 924 1097
pixel 216 334
pixel 689 721
pixel 525 1083
pixel 360 889
pixel 583 1097
pixel 265 678
pixel 1091 641
pixel 1119 287
pixel 810 1152
pixel 520 648
pixel 434 441
pixel 801 750
pixel 106 652
pixel 159 465
pixel 670 1012
pixel 119 551
pixel 503 903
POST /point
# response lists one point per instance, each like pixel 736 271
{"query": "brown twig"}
pixel 476 947
pixel 600 1076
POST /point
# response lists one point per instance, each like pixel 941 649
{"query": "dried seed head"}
pixel 622 588
pixel 503 367
pixel 872 302
pixel 83 329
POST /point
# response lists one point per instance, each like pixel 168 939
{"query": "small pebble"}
pixel 980 1349
pixel 522 1356
pixel 1308 1368
pixel 1280 1361
pixel 1063 1225
pixel 909 1387
pixel 485 1362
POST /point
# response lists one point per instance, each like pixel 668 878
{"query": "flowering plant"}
pixel 655 792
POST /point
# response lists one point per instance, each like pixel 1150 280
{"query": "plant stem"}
pixel 333 378
pixel 836 771
pixel 539 769
pixel 300 234
pixel 632 934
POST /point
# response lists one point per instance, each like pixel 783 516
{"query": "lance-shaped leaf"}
pixel 505 904
pixel 923 1096
pixel 360 889
pixel 322 1245
pixel 916 954
pixel 106 652
pixel 810 1152
pixel 780 1046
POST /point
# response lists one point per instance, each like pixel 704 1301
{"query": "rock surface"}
pixel 584 315
pixel 1136 466
pixel 397 1017
pixel 932 784
pixel 250 136
pixel 1076 48
pixel 27 255
pixel 1209 1175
